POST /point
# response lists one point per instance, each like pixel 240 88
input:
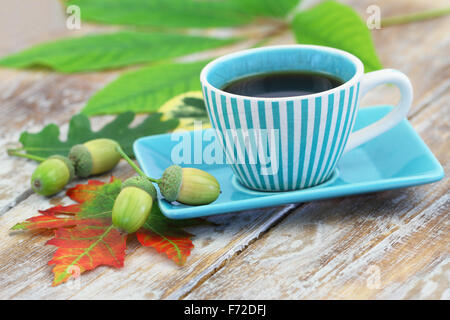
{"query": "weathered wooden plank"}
pixel 54 98
pixel 420 49
pixel 392 244
pixel 214 246
pixel 147 274
pixel 23 22
pixel 32 99
pixel 417 49
pixel 162 279
pixel 29 101
pixel 31 113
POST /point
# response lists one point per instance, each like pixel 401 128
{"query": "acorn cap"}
pixel 170 183
pixel 141 183
pixel 82 160
pixel 68 164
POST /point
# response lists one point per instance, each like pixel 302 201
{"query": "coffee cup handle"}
pixel 368 82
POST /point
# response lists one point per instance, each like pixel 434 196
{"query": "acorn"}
pixel 94 157
pixel 190 186
pixel 133 204
pixel 52 175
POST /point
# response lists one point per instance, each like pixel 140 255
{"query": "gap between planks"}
pixel 234 252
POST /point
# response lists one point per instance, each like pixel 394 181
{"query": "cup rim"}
pixel 355 60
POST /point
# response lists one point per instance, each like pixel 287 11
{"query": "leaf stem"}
pixel 14 152
pixel 134 166
pixel 419 16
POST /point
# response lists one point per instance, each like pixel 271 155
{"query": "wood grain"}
pixel 387 245
pixel 34 99
pixel 420 50
pixel 31 100
pixel 146 275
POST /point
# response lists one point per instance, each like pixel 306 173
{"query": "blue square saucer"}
pixel 396 159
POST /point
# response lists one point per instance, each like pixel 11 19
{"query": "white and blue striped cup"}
pixel 310 132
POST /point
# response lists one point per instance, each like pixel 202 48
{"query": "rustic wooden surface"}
pixel 391 244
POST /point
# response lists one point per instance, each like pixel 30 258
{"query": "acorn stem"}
pixel 134 166
pixel 13 152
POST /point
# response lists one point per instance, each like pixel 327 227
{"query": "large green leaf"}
pixel 147 89
pixel 163 13
pixel 47 142
pixel 181 13
pixel 105 51
pixel 268 8
pixel 336 25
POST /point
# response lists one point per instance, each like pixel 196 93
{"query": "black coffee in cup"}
pixel 282 84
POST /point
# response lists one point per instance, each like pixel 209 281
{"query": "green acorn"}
pixel 188 185
pixel 94 157
pixel 133 204
pixel 52 175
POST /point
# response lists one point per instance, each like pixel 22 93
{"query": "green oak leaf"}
pixel 107 51
pixel 191 107
pixel 46 142
pixel 145 90
pixel 336 25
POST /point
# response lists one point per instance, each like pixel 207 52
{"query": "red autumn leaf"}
pixel 59 209
pixel 84 233
pixel 167 236
pixel 176 248
pixel 49 222
pixel 49 219
pixel 86 247
pixel 84 192
pixel 80 213
pixel 86 238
